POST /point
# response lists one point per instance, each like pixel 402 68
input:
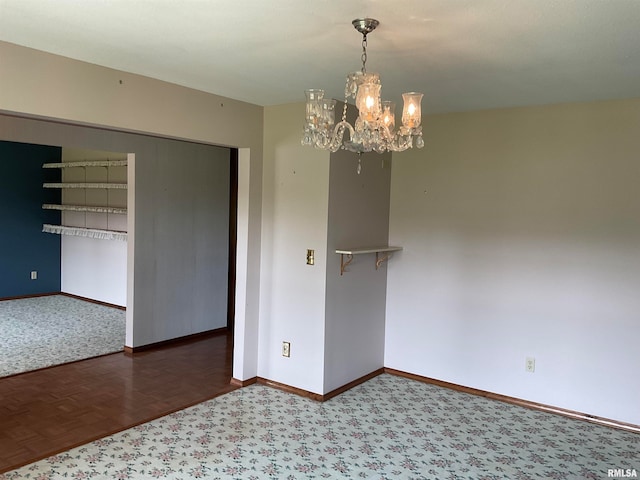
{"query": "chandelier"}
pixel 374 129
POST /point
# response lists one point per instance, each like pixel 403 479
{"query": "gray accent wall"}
pixel 182 202
pixel 356 300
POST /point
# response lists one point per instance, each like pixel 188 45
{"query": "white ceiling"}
pixel 463 54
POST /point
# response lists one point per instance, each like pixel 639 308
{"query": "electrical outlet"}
pixel 530 364
pixel 286 349
pixel 34 275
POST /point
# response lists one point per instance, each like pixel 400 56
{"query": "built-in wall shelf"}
pixel 109 186
pixel 89 163
pixel 73 201
pixel 85 208
pixel 85 232
pixel 382 255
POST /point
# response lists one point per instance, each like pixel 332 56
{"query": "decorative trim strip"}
pixel 520 402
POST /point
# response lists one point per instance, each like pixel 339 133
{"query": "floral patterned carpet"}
pixel 387 428
pixel 40 332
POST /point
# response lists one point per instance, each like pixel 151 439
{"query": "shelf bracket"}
pixel 382 257
pixel 343 264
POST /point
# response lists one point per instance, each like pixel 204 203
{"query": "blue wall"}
pixel 23 245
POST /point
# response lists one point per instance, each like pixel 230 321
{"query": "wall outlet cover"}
pixel 530 364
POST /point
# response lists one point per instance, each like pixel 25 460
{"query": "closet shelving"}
pixel 87 163
pixel 84 208
pixel 100 233
pixel 111 186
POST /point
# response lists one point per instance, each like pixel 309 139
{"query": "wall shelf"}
pixel 85 232
pixel 109 186
pixel 73 206
pixel 382 255
pixel 90 163
pixel 84 208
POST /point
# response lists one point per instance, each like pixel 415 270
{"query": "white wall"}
pixel 295 209
pixel 522 238
pixel 94 268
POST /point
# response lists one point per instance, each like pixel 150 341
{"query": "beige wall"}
pixel 34 83
pixel 38 83
pixel 521 230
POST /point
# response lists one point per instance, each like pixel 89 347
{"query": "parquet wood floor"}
pixel 49 411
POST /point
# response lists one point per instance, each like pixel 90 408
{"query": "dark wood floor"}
pixel 51 410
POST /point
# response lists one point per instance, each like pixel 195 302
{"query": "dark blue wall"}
pixel 23 245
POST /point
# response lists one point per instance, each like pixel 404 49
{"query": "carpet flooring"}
pixel 389 427
pixel 40 332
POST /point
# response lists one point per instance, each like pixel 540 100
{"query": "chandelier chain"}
pixel 344 107
pixel 364 54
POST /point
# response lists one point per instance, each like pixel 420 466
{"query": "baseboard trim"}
pixel 91 300
pixel 71 295
pixel 31 295
pixel 518 401
pixel 171 341
pixel 289 389
pixel 243 383
pixel 317 396
pixel 350 385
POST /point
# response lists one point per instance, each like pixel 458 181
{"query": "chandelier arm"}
pixel 386 133
pixel 332 140
pixel 399 144
pixel 342 126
